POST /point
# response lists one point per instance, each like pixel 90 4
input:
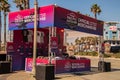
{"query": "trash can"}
pixel 5 67
pixel 104 66
pixel 108 66
pixel 45 72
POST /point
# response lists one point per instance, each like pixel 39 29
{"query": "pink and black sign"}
pixel 25 19
pixel 50 16
pixel 62 66
pixel 76 21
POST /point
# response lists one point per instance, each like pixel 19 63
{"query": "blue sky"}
pixel 110 8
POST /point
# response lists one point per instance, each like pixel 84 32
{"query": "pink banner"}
pixel 50 16
pixel 24 19
pixel 62 66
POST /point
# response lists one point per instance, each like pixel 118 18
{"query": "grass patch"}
pixel 94 53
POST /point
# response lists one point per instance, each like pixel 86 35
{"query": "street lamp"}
pixel 35 39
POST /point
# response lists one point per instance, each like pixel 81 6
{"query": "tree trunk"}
pixel 0 30
pixel 27 4
pixel 95 16
pixel 5 30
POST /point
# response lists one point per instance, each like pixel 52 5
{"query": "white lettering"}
pixel 78 65
pixel 86 24
pixel 30 18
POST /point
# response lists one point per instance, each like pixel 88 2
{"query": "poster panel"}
pixel 62 66
pixel 76 21
pixel 54 42
pixel 65 66
pixel 24 19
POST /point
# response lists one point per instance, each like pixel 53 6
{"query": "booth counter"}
pixel 61 65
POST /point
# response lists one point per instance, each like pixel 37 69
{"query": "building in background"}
pixel 112 35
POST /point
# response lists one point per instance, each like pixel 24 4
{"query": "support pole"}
pixel 35 40
pixel 49 46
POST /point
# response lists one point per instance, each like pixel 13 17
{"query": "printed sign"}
pixel 54 42
pixel 25 19
pixel 62 66
pixel 75 21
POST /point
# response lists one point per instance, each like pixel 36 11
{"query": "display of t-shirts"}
pixel 40 37
pixel 30 36
pixel 25 34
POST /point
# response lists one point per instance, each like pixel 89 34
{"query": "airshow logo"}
pixel 19 21
pixel 54 44
pixel 10 48
pixel 71 20
pixel 67 66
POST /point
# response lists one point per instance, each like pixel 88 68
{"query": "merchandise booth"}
pixel 52 20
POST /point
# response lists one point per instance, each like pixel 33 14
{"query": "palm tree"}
pixel 77 41
pixel 22 4
pixel 5 8
pixel 19 4
pixel 96 10
pixel 27 5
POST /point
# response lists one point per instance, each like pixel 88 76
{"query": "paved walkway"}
pixel 94 74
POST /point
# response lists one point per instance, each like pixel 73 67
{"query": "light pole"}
pixel 35 39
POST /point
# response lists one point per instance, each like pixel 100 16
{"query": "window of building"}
pixel 114 37
pixel 113 42
pixel 106 32
pixel 114 32
pixel 118 42
pixel 106 37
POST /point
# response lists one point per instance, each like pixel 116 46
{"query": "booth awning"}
pixel 55 16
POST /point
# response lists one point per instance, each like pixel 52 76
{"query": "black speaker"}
pixel 5 67
pixel 45 72
pixel 2 57
pixel 108 66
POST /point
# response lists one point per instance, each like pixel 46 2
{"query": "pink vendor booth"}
pixel 22 24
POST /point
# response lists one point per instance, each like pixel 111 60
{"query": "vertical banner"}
pixel 10 47
pixel 54 43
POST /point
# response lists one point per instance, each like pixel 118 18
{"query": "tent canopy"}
pixel 55 16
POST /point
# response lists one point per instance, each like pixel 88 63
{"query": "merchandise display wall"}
pixel 22 45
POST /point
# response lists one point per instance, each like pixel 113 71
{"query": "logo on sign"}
pixel 71 20
pixel 67 66
pixel 113 28
pixel 54 42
